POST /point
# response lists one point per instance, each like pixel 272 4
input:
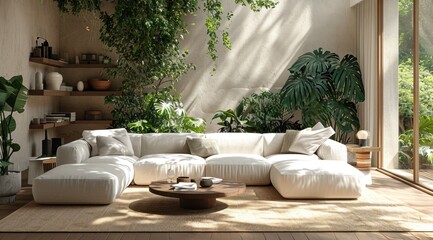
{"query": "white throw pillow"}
pixel 90 137
pixel 203 147
pixel 114 146
pixel 306 141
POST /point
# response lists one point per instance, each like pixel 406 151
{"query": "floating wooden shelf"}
pixel 48 125
pixel 63 64
pixel 49 62
pixel 89 66
pixel 47 93
pixel 70 93
pixel 44 126
pixel 94 93
pixel 98 122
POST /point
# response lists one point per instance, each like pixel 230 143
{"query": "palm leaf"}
pixel 348 79
pixel 315 62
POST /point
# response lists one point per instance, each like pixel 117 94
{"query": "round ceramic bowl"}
pixel 100 84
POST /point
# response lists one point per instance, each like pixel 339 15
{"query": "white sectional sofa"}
pixel 255 159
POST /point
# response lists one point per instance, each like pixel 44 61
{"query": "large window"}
pixel 414 158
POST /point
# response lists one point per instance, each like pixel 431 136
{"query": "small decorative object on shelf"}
pixel 100 84
pixel 80 86
pixel 93 115
pixel 54 80
pixel 39 84
pixel 362 136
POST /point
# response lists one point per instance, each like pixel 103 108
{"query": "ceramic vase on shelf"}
pixel 53 80
pixel 39 83
pixel 80 86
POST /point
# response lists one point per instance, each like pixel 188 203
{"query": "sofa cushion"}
pixel 156 143
pixel 111 159
pixel 90 137
pixel 249 143
pixel 85 183
pixel 250 169
pixel 274 158
pixel 272 143
pixel 155 166
pixel 306 141
pixel 202 147
pixel 119 145
pixel 317 179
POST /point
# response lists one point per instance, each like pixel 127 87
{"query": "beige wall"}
pixel 265 45
pixel 21 21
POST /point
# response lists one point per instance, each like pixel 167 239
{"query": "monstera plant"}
pixel 326 88
pixel 13 97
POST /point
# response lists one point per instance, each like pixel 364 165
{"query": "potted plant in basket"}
pixel 13 97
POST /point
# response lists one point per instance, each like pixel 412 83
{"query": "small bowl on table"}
pixel 100 84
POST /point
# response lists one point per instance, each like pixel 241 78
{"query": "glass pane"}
pixel 426 92
pixel 403 164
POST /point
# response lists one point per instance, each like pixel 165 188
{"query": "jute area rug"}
pixel 259 209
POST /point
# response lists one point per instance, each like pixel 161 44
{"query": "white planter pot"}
pixel 53 80
pixel 10 186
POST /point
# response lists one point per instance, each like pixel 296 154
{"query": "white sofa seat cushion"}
pixel 111 159
pixel 250 169
pixel 317 179
pixel 274 158
pixel 155 166
pixel 84 183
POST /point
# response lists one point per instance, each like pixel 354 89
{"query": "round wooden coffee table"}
pixel 201 198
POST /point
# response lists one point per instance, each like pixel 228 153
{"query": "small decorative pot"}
pixel 54 80
pixel 205 183
pixel 10 186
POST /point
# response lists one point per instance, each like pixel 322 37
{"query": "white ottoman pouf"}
pixel 154 167
pixel 250 169
pixel 317 179
pixel 84 183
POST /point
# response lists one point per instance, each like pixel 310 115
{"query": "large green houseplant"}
pixel 13 97
pixel 326 89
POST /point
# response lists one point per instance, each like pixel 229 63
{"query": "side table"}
pixel 363 159
pixel 37 166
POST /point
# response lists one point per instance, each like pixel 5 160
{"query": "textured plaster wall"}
pixel 265 45
pixel 390 91
pixel 21 21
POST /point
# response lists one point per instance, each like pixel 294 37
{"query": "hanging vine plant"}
pixel 146 35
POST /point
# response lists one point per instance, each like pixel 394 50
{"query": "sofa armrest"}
pixel 73 152
pixel 332 150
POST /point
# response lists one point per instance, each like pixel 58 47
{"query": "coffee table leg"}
pixel 197 203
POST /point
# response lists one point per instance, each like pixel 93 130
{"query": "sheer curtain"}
pixel 366 47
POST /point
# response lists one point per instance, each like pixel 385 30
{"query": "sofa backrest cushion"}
pixel 136 143
pixel 90 137
pixel 272 143
pixel 238 142
pixel 155 143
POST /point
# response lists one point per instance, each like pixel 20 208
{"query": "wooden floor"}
pixel 381 183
